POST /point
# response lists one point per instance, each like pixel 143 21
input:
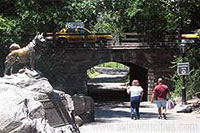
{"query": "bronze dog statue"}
pixel 31 53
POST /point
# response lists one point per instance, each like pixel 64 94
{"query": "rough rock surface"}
pixel 84 108
pixel 183 108
pixel 20 108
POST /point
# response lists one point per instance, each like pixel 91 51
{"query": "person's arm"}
pixel 141 95
pixel 128 90
pixel 152 97
pixel 168 94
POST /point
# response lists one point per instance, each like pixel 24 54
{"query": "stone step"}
pixel 104 78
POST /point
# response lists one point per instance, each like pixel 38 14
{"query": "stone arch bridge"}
pixel 66 68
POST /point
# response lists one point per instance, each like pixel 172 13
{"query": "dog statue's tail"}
pixel 14 46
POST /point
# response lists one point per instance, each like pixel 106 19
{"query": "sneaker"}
pixel 159 117
pixel 132 116
pixel 164 116
pixel 135 118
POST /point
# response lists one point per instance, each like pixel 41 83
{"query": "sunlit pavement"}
pixel 115 118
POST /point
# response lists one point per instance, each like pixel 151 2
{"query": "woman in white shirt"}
pixel 135 91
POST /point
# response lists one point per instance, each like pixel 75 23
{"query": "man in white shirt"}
pixel 135 91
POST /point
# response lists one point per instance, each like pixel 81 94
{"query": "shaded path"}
pixel 115 118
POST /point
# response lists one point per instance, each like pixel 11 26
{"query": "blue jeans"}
pixel 135 104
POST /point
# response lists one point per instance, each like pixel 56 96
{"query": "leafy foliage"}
pixel 157 18
pixel 6 26
pixel 152 17
pixel 92 73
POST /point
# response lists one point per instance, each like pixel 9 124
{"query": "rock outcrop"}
pixel 24 102
pixel 84 109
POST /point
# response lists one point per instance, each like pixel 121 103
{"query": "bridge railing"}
pixel 124 40
pixel 138 40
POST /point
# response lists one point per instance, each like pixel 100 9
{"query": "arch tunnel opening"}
pixel 110 80
pixel 141 74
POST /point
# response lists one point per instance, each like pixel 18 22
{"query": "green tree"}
pixel 148 17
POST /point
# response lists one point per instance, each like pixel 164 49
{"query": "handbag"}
pixel 170 104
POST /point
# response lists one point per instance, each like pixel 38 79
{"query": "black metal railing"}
pixel 139 40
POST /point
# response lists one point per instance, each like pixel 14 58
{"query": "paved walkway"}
pixel 115 118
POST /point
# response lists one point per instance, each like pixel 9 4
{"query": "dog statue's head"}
pixel 40 40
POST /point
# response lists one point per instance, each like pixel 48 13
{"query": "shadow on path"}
pixel 121 112
pixel 148 115
pixel 102 113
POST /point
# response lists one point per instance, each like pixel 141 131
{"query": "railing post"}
pixel 54 36
pixel 86 44
pixel 117 39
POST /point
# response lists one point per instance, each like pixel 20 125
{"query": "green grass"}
pixel 113 65
pixel 92 73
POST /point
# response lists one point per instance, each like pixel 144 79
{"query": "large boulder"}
pixel 183 108
pixel 23 108
pixel 84 108
pixel 14 111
